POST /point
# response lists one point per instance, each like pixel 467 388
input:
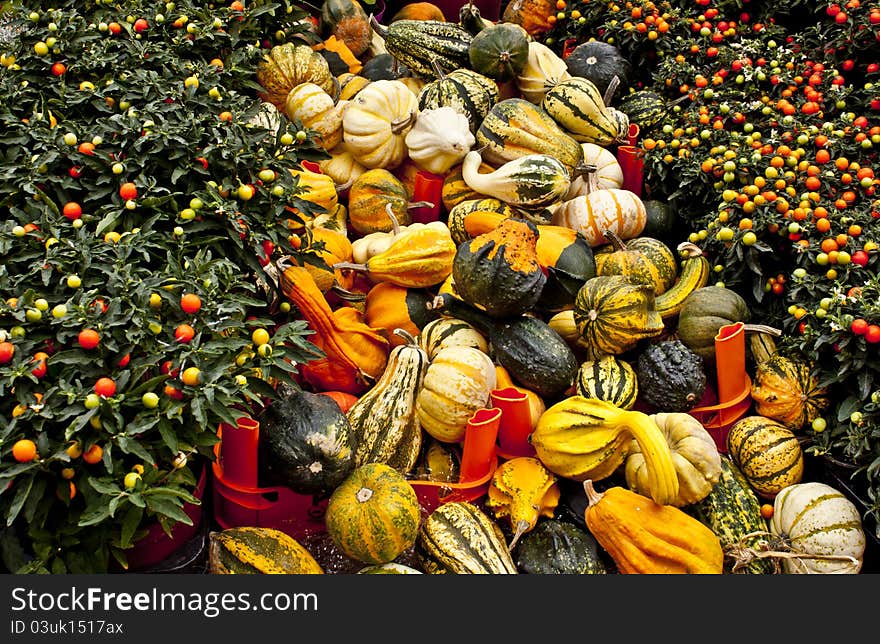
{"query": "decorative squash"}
pixel 514 128
pixel 350 84
pixel 439 140
pixel 438 462
pixel 286 66
pixel 531 15
pixel 559 548
pixel 268 118
pixel 339 57
pixel 609 379
pixel 582 438
pixel 563 323
pixel 456 191
pixel 341 167
pixel 530 181
pixel 450 332
pixel 336 248
pixel 644 259
pixel 315 188
pixel 661 218
pixel 671 376
pixel 425 45
pixel 788 391
pixel 376 121
pixel 523 490
pixel 363 248
pixel 465 90
pixel 251 550
pixel 613 314
pixel 499 51
pixel 693 274
pixel 694 454
pixel 470 20
pixel 473 217
pixel 419 11
pixel 644 537
pixel 305 442
pixel 417 258
pixel 316 110
pixel 704 312
pixel 767 453
pixel 383 66
pixel 600 62
pixel 536 403
pixel 821 527
pixel 499 271
pixel 458 538
pixel 542 71
pixel 374 514
pixel 618 211
pixel 733 512
pixel 383 420
pixel 577 106
pixel 390 307
pixel 347 20
pixel 353 351
pixel 608 172
pixel 390 568
pixel 369 197
pixel 457 384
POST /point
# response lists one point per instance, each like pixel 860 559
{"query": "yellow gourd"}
pixel 523 490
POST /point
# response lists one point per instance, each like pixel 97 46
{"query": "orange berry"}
pixel 190 303
pixel 24 450
pixel 94 454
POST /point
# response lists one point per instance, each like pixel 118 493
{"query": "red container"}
pixel 478 451
pixel 631 163
pixel 433 494
pixel 516 422
pixel 157 546
pixel 428 187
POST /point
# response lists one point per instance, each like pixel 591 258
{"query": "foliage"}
pixel 146 130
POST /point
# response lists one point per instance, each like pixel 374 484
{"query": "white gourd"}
pixel 342 167
pixel 816 519
pixel 439 140
pixel 376 122
pixel 608 171
pixel 542 71
pixel 532 180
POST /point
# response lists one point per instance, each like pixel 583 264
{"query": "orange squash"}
pixel 367 198
pixel 389 307
pixel 531 15
pixel 419 11
pixel 786 390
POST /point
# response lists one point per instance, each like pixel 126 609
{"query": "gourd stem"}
pixel 395 225
pixel 522 527
pixel 348 296
pixel 406 335
pixel 437 69
pixel 379 29
pixel 609 91
pixel 364 494
pixel 762 328
pixel 340 187
pixel 583 169
pixel 592 495
pixel 743 554
pixel 616 241
pixel 350 266
pixel 420 204
pixel 397 127
pixel 688 250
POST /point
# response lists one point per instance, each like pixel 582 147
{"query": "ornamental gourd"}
pixel 583 438
pixel 542 71
pixel 613 314
pixel 348 21
pixel 473 217
pixel 374 514
pixel 523 490
pixel 696 459
pixel 644 259
pixel 499 51
pixel 577 106
pixel 608 173
pixel 671 375
pixel 316 110
pixel 498 271
pixel 703 313
pixel 286 66
pixel 788 391
pixel 557 547
pixel 389 306
pixel 610 379
pixel 464 90
pixel 530 181
pixel 821 527
pixel 424 45
pixel 456 385
pixel 600 62
pixel 383 420
pixel 450 332
pixel 341 167
pixel 644 537
pixel 250 550
pixel 374 197
pixel 767 453
pixel 440 138
pixel 376 122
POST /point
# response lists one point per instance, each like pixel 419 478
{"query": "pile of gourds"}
pixel 542 274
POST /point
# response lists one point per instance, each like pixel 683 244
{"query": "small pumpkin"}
pixel 704 312
pixel 389 306
pixel 500 51
pixel 608 172
pixel 374 514
pixel 610 379
pixel 376 122
pixel 450 332
pixel 600 62
pixel 419 11
pixel 696 458
pixel 821 527
pixel 499 271
pixel 465 90
pixel 767 453
pixel 369 197
pixel 531 15
pixel 523 490
pixel 644 259
pixel 788 391
pixel 316 110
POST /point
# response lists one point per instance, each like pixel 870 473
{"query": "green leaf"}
pixel 22 490
pixel 169 508
pixel 94 515
pixel 130 523
pixel 103 486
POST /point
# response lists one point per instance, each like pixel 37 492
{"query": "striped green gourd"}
pixel 459 538
pixel 732 511
pixel 767 453
pixel 515 127
pixel 450 332
pixel 470 93
pixel 610 379
pixel 251 550
pixel 646 108
pixel 533 180
pixel 422 46
pixel 383 420
pixel 460 211
pixel 577 107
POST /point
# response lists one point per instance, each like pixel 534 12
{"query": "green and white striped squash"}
pixel 470 93
pixel 423 46
pixel 816 519
pixel 383 420
pixel 489 205
pixel 458 538
pixel 514 128
pixel 767 453
pixel 533 180
pixel 450 332
pixel 608 173
pixel 577 107
pixel 645 108
pixel 732 511
pixel 543 70
pixel 610 379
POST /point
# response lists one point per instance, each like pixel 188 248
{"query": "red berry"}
pixel 859 326
pixel 105 387
pixel 860 257
pixel 872 335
